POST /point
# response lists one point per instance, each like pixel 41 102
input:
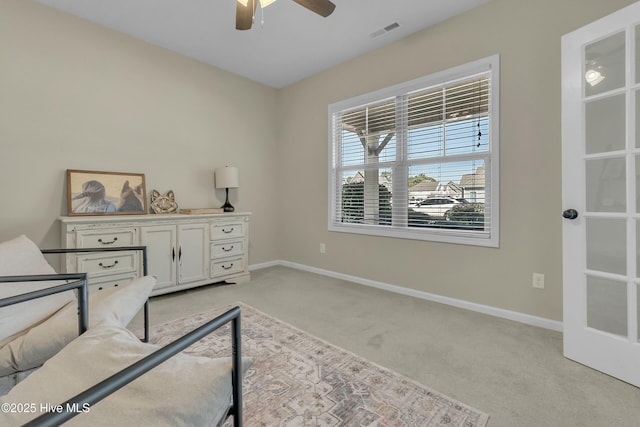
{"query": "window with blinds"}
pixel 419 160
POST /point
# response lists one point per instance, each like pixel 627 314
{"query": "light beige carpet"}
pixel 300 380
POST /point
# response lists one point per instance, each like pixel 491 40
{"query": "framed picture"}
pixel 105 193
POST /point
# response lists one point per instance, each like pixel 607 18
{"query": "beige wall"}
pixel 527 36
pixel 74 95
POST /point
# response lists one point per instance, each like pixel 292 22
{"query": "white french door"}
pixel 601 194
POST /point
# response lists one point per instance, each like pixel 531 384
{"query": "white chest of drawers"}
pixel 183 251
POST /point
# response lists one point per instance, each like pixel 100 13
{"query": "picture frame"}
pixel 105 193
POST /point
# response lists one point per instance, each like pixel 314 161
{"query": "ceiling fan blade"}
pixel 244 14
pixel 321 7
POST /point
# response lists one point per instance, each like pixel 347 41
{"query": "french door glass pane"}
pixel 607 305
pixel 637 248
pixel 637 54
pixel 637 118
pixel 606 185
pixel 607 245
pixel 605 124
pixel 604 65
pixel 638 185
pixel 638 309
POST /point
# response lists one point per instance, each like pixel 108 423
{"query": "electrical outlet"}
pixel 323 248
pixel 538 280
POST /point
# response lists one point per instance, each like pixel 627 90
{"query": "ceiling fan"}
pixel 245 10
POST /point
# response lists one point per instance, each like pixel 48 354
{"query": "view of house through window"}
pixel 419 163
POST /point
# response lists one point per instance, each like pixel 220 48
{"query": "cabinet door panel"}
pixel 161 253
pixel 193 252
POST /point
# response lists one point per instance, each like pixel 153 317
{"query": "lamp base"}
pixel 227 207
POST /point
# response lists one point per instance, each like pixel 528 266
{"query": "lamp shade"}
pixel 227 177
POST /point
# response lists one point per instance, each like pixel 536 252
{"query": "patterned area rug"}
pixel 300 380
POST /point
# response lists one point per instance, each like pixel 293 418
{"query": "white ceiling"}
pixel 293 43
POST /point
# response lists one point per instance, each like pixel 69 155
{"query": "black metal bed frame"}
pixel 115 382
pixel 143 249
pixel 80 282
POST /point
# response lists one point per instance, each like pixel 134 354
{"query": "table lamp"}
pixel 227 177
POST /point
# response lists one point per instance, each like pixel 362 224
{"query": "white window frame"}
pixel 491 238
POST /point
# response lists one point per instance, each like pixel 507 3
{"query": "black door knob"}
pixel 570 214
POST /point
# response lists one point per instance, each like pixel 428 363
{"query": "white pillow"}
pixel 21 256
pixel 114 305
pixel 183 391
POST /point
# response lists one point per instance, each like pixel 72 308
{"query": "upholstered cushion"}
pixel 117 305
pixel 183 391
pixel 21 256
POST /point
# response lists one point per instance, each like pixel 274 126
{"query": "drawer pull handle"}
pixel 225 231
pixel 108 243
pixel 227 249
pixel 227 267
pixel 108 266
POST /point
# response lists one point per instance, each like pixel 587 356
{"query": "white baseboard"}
pixel 486 309
pixel 266 265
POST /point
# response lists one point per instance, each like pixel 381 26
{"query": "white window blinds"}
pixel 419 160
